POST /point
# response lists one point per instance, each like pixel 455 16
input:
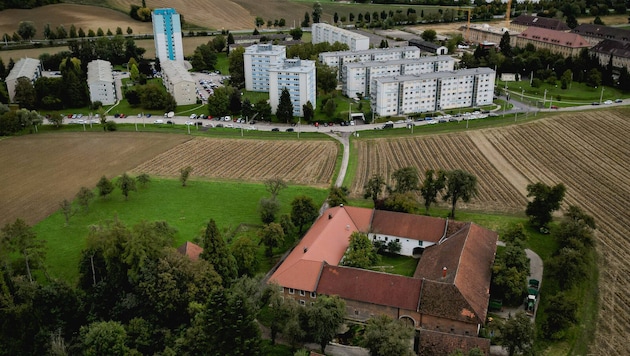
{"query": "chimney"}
pixel 444 269
pixel 329 216
pixel 306 249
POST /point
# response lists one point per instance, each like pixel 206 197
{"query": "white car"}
pixel 189 123
pixel 230 125
pixel 607 102
pixel 227 118
pixel 193 116
pixel 158 121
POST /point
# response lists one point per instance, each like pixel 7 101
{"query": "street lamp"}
pixel 545 98
pixel 522 93
pixel 601 95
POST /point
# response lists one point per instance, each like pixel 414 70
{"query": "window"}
pixel 313 295
pixel 419 243
pixel 302 293
pixel 302 302
pixel 356 312
pixel 291 291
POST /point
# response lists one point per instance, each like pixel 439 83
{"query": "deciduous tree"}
pixel 360 253
pixel 374 187
pixel 126 185
pixel 216 252
pixel 546 200
pixel 271 236
pixel 105 187
pixel 405 180
pixel 104 338
pixel 84 197
pixel 25 94
pixel 184 174
pixel 303 212
pixel 459 185
pixel 432 185
pixel 268 208
pixel 237 68
pixel 22 239
pixel 385 336
pixel 26 30
pixel 325 317
pixel 517 334
pixel 244 252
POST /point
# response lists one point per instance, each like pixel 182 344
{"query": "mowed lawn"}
pixel 187 209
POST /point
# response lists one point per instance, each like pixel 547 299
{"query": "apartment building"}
pixel 298 76
pixel 357 76
pixel 28 68
pixel 257 60
pixel 323 32
pixel 409 94
pixel 100 82
pixel 167 34
pixel 339 58
pixel 178 82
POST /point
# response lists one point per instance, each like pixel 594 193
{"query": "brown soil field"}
pixel 298 162
pixel 588 152
pixel 82 16
pixel 39 171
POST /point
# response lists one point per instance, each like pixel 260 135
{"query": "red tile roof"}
pixel 370 286
pixel 327 240
pixel 440 343
pixel 558 38
pixel 468 255
pixel 416 227
pixel 191 250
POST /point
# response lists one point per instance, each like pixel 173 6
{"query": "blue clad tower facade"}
pixel 167 33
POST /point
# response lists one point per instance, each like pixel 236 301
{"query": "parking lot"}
pixel 206 82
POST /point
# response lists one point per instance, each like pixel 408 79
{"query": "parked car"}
pixel 199 123
pixel 189 123
pixel 608 102
pixel 553 107
pixel 618 100
pixel 595 103
pixel 219 125
pixel 193 116
pixel 158 121
pixel 290 129
pixel 275 129
pixel 169 122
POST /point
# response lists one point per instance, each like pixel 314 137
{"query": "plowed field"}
pixel 588 152
pixel 300 162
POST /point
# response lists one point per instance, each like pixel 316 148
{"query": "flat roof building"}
pixel 323 32
pixel 427 46
pixel 167 34
pixel 28 68
pixel 410 94
pixel 337 59
pixel 357 77
pixel 298 76
pixel 100 82
pixel 178 82
pixel 256 61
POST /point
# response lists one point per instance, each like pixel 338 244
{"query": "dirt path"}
pixel 495 157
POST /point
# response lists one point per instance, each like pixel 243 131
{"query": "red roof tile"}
pixel 327 240
pixel 434 343
pixel 557 38
pixel 370 286
pixel 417 227
pixel 191 250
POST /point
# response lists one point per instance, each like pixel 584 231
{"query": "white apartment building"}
pixel 323 32
pixel 28 68
pixel 167 34
pixel 257 60
pixel 338 59
pixel 298 76
pixel 357 76
pixel 409 94
pixel 178 82
pixel 100 82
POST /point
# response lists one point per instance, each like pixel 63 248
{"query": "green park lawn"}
pixel 187 209
pixel 576 94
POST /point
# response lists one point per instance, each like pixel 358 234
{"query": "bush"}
pixel 110 126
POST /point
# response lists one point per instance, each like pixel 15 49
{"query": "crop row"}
pixel 300 162
pixel 588 152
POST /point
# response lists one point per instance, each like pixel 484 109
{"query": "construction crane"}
pixel 507 14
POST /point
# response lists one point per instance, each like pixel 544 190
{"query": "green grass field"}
pixel 576 94
pixel 186 208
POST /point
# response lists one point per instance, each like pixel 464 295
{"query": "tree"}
pixel 296 33
pixel 307 20
pixel 21 238
pixel 280 310
pixel 84 197
pixel 81 33
pixel 134 73
pixel 330 107
pixel 274 186
pixel 560 314
pixel 235 103
pixel 244 252
pixel 303 212
pixel 104 338
pixel 431 187
pixel 515 234
pixel 271 236
pixel 259 21
pixel 406 180
pixel 308 112
pixel 268 208
pixel 505 46
pixel 459 185
pixel 126 185
pixel 26 30
pixel 218 43
pixel 385 336
pixel 546 200
pixel 143 179
pixel 184 174
pixel 216 252
pixel 429 35
pixel 219 102
pixel 325 317
pixel 360 253
pixel 374 187
pixel 317 12
pixel 326 77
pixel 284 112
pixel 104 186
pixel 401 202
pixel 237 68
pixel 25 94
pixel 338 196
pixel 66 210
pixel 594 78
pixel 129 30
pixel 517 334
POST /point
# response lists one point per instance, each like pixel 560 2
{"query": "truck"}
pixel 532 296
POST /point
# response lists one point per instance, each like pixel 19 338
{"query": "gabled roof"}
pixel 468 255
pixel 191 250
pixel 327 240
pixel 542 22
pixel 443 343
pixel 557 38
pixel 416 227
pixel 422 43
pixel 370 286
pixel 603 32
pixel 611 47
pixel 25 67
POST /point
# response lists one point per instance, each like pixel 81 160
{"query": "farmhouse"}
pixel 446 300
pixel 101 82
pixel 28 68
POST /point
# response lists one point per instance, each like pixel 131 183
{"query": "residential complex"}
pixel 597 33
pixel 409 94
pixel 257 60
pixel 323 32
pixel 178 82
pixel 357 76
pixel 167 32
pixel 618 51
pixel 298 76
pixel 28 68
pixel 100 82
pixel 565 43
pixel 522 22
pixel 338 59
pixel 447 298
